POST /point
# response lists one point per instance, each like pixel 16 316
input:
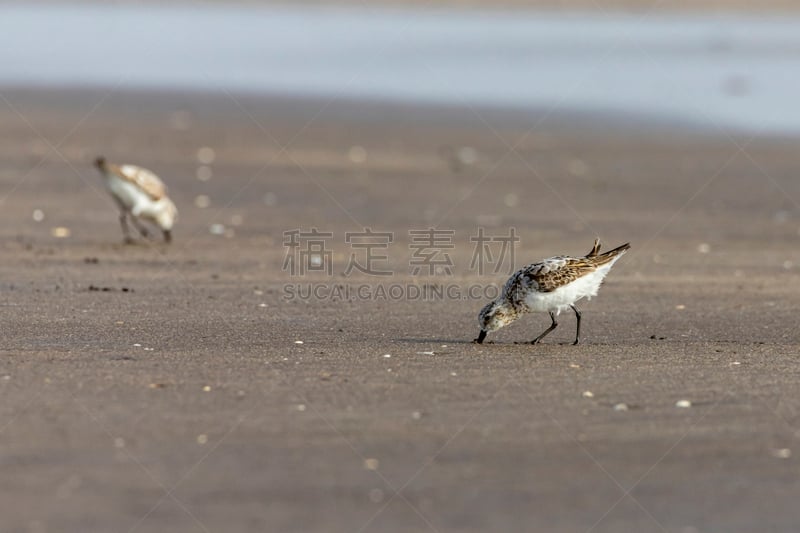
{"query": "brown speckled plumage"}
pixel 142 178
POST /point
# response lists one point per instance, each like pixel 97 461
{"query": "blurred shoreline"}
pixel 43 102
pixel 724 72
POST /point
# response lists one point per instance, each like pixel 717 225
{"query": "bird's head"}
pixel 494 316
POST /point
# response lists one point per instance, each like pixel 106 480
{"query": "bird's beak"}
pixel 481 336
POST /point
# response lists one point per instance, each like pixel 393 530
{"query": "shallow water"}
pixel 732 72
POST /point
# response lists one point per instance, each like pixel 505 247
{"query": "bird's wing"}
pixel 144 179
pixel 555 272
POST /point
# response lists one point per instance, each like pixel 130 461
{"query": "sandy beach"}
pixel 176 388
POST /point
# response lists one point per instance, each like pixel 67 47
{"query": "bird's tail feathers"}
pixel 595 249
pixel 612 254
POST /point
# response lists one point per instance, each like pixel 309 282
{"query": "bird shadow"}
pixel 429 341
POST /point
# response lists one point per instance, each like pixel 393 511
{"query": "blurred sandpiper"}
pixel 140 194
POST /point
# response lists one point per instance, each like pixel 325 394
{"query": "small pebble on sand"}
pixel 782 453
pixel 201 201
pixel 683 404
pixel 467 155
pixel 206 155
pixel 357 154
pixel 621 407
pixel 204 173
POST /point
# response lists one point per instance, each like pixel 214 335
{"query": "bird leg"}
pixel 167 236
pixel 140 227
pixel 548 330
pixel 126 232
pixel 481 336
pixel 578 332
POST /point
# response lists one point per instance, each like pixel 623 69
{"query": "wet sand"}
pixel 163 388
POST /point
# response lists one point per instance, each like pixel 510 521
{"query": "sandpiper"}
pixel 551 285
pixel 141 194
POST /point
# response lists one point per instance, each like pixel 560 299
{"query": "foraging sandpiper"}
pixel 551 285
pixel 140 193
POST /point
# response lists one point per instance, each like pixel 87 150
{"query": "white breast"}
pixel 126 192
